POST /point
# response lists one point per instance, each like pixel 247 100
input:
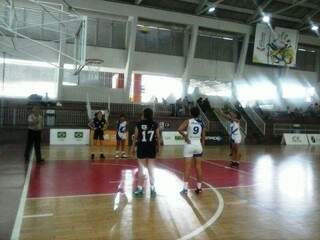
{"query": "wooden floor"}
pixel 274 195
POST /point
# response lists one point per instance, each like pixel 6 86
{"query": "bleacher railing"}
pixel 204 117
pixel 243 122
pixel 256 119
pixel 222 120
pixel 17 116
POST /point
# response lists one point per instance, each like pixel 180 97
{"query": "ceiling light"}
pixel 314 28
pixel 211 9
pixel 266 19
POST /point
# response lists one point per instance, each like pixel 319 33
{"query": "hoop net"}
pixel 94 69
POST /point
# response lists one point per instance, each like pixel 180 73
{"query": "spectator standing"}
pixel 35 126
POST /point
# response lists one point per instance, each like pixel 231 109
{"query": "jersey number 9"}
pixel 196 130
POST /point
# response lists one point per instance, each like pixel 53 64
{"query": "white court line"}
pixel 237 202
pixel 230 168
pixel 39 215
pixel 115 164
pixel 74 196
pixel 212 220
pixel 244 186
pixel 15 234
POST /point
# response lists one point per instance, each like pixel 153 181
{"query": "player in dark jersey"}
pixel 98 125
pixel 147 139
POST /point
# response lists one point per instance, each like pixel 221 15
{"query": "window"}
pixel 23 78
pixel 160 87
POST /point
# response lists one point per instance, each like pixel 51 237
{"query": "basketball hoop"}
pixel 94 67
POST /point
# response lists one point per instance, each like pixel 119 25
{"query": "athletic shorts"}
pixel 146 151
pixel 236 140
pixel 98 135
pixel 192 150
pixel 121 137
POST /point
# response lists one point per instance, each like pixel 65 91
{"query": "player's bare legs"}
pixel 139 191
pixel 186 175
pixel 236 155
pixel 198 163
pixel 117 155
pixel 98 145
pixel 150 167
pixel 122 146
pixel 101 149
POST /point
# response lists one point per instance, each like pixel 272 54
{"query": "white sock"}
pixel 139 187
pixel 185 186
pixel 199 185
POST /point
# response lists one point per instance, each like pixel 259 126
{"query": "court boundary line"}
pixel 227 167
pixel 15 234
pixel 215 216
pixel 41 215
pixel 114 193
pixel 73 196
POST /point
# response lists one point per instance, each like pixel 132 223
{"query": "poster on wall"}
pixel 314 139
pixel 294 139
pixel 172 138
pixel 69 136
pixel 275 47
pixel 214 139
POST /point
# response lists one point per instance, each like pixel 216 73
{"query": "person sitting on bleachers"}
pixel 206 105
pixel 179 107
pixel 164 102
pixel 290 113
pixel 317 109
pixel 200 102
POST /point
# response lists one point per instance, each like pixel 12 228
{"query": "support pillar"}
pixel 241 64
pixel 131 51
pixel 137 88
pixel 62 48
pixel 189 59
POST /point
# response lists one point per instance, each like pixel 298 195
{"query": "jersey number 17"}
pixel 147 136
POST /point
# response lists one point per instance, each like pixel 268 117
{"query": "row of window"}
pixel 112 34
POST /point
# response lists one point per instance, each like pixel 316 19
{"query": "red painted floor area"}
pixel 78 177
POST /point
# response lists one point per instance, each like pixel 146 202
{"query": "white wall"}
pixel 79 93
pixel 223 71
pixel 151 63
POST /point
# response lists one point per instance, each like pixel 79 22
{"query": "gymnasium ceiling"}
pixel 295 14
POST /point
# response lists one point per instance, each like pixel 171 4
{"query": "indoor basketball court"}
pixel 149 119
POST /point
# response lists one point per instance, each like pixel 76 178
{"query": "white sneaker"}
pixel 124 155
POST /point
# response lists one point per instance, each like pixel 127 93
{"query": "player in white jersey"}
pixel 193 133
pixel 121 137
pixel 235 136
